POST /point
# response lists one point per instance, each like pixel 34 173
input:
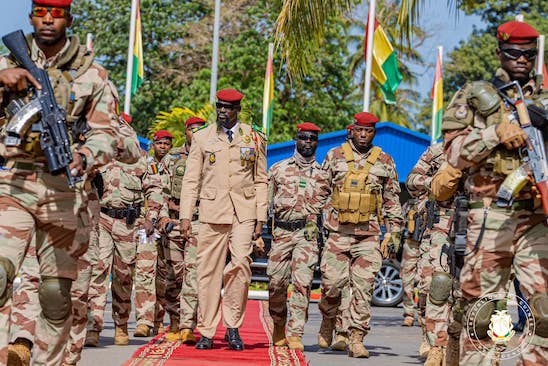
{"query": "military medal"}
pixel 212 158
pixel 247 139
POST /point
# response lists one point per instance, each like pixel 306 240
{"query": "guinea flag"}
pixel 437 99
pixel 268 94
pixel 385 64
pixel 138 67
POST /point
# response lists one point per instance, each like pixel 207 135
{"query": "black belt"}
pixel 516 205
pixel 290 225
pixel 120 213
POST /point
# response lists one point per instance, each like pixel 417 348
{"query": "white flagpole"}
pixel 436 91
pixel 215 57
pixel 369 56
pixel 129 71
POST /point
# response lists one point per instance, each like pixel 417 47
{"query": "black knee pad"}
pixel 539 307
pixel 54 295
pixel 7 275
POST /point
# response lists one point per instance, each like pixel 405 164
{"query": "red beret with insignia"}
pixel 229 95
pixel 126 117
pixel 58 3
pixel 307 126
pixel 162 134
pixel 194 120
pixel 365 119
pixel 517 32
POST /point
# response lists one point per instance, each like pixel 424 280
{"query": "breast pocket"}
pixel 208 194
pixel 131 188
pixel 80 94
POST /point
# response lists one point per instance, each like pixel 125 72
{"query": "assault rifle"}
pixel 432 217
pixel 457 235
pixel 54 139
pixel 536 160
pixel 420 227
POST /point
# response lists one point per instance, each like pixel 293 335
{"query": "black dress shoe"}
pixel 204 343
pixel 233 338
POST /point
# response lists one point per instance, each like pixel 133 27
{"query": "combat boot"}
pixel 356 347
pixel 408 321
pixel 278 334
pixel 174 333
pixel 141 330
pixel 19 352
pixel 158 328
pixel 341 342
pixel 92 338
pixel 121 338
pixel 187 336
pixel 325 336
pixel 295 343
pixel 436 357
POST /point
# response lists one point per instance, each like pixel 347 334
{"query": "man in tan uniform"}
pixel 227 165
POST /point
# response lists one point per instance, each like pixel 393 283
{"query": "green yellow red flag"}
pixel 437 99
pixel 138 65
pixel 268 95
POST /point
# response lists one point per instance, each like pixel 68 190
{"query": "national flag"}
pixel 437 99
pixel 385 64
pixel 268 95
pixel 138 72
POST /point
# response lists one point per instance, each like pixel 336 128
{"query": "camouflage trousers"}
pixel 424 270
pixel 162 272
pixel 410 275
pixel 437 316
pixel 35 206
pixel 116 252
pixel 145 282
pixel 512 240
pixel 292 257
pixel 342 323
pixel 353 261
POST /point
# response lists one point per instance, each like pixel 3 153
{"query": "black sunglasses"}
pixel 226 106
pixel 514 53
pixel 309 137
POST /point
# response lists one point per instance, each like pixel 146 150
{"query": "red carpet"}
pixel 255 332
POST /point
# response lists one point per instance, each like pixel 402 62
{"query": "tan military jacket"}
pixel 228 181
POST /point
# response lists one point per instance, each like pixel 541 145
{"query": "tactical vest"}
pixel 177 177
pixel 355 201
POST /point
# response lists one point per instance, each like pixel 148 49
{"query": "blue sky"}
pixel 446 29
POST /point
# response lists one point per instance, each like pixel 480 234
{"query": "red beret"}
pixel 516 32
pixel 230 95
pixel 349 127
pixel 365 119
pixel 162 134
pixel 58 3
pixel 307 126
pixel 126 117
pixel 194 120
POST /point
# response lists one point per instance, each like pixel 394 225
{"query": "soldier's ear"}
pixel 69 21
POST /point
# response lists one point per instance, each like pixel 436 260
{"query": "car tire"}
pixel 388 285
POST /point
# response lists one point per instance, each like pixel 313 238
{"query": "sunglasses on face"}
pixel 311 137
pixel 41 11
pixel 226 106
pixel 514 53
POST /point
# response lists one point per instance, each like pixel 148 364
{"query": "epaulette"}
pixel 201 127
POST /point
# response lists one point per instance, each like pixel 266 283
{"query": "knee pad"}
pixel 7 275
pixel 539 307
pixel 440 288
pixel 54 295
pixel 483 319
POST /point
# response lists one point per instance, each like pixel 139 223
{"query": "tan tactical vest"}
pixel 355 201
pixel 177 177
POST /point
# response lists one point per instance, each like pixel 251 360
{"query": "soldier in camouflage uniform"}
pixel 363 175
pixel 147 253
pixel 25 181
pixel 179 256
pixel 483 140
pixel 126 188
pixel 408 271
pixel 298 191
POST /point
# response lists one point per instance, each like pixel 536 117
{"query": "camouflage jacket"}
pixel 89 94
pixel 472 144
pixel 133 184
pixel 296 192
pixel 419 179
pixel 382 176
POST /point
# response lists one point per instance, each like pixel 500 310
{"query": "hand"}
pixel 77 165
pixel 396 239
pixel 186 229
pixel 258 247
pixel 17 79
pixel 385 245
pixel 310 231
pixel 149 227
pixel 165 225
pixel 510 135
pixel 258 230
pixel 172 205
